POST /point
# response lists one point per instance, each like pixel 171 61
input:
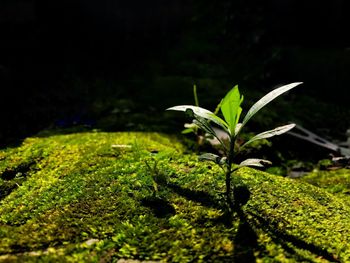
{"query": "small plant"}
pixel 231 110
pixel 158 178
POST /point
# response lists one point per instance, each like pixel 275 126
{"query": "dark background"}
pixel 114 65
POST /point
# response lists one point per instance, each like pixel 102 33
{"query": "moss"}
pixel 300 216
pixel 90 197
pixel 336 181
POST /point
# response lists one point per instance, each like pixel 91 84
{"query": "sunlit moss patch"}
pixel 100 197
pixel 336 181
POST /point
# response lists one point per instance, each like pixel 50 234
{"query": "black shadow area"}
pixel 161 208
pixel 246 239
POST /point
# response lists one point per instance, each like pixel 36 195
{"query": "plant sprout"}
pixel 231 110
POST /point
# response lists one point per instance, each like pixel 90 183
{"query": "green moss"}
pixel 300 216
pixel 336 182
pixel 90 197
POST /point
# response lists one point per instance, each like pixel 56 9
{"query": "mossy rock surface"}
pixel 336 182
pixel 90 197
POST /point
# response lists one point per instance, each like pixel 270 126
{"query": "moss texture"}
pixel 336 182
pixel 99 197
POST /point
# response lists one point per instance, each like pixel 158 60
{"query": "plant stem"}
pixel 229 190
pixel 195 95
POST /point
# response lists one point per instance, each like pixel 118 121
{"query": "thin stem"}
pixel 195 95
pixel 229 190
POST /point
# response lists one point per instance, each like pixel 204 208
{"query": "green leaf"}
pixel 230 108
pixel 239 111
pixel 254 162
pixel 267 134
pixel 266 99
pixel 187 131
pixel 202 113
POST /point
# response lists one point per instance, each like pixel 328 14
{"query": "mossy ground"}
pixel 336 182
pixel 90 197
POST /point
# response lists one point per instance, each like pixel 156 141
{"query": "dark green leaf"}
pixel 204 125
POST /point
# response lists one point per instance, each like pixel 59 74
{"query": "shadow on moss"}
pixel 13 178
pixel 201 197
pixel 285 240
pixel 245 239
pixel 161 208
pixel 22 169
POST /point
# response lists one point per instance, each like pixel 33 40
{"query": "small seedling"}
pixel 158 177
pixel 231 110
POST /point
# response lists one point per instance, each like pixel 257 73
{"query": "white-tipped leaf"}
pixel 213 158
pixel 190 126
pixel 266 99
pixel 209 157
pixel 267 134
pixel 206 114
pixel 238 128
pixel 254 162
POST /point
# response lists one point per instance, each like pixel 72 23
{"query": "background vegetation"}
pixel 66 63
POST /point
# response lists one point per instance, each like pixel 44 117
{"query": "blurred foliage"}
pixel 92 57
